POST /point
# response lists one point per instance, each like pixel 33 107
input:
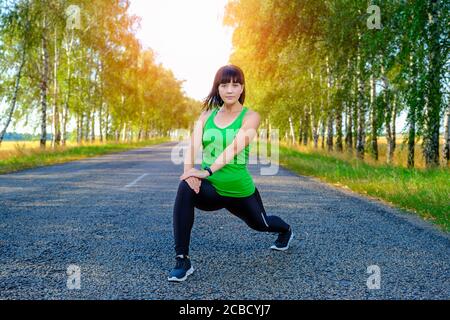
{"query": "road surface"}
pixel 109 220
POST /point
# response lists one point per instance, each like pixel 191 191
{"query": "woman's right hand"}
pixel 194 183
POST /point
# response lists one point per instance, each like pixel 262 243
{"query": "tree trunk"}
pixel 339 130
pixel 56 113
pixel 267 129
pixel 433 102
pixel 87 122
pixel 348 109
pixel 65 115
pixel 330 132
pixel 411 135
pixel 387 118
pixel 374 125
pixel 92 136
pixel 360 138
pixel 291 127
pixel 322 133
pixel 349 125
pixel 124 132
pixel 446 146
pixel 300 129
pixel 79 127
pixel 329 110
pixel 107 132
pixel 100 121
pixel 269 132
pixel 413 106
pixel 16 88
pixel 315 127
pixel 355 114
pixel 306 127
pixel 44 87
pixel 394 119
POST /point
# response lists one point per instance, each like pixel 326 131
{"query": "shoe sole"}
pixel 284 248
pixel 188 273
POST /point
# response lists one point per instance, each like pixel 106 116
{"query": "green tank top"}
pixel 233 179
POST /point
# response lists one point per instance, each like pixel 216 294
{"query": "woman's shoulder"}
pixel 205 113
pixel 251 114
pixel 204 116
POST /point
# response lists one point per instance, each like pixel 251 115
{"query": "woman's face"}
pixel 230 92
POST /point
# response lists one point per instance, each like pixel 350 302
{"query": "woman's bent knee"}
pixel 184 187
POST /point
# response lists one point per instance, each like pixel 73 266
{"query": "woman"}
pixel 225 130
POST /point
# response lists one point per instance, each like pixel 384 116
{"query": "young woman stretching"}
pixel 225 129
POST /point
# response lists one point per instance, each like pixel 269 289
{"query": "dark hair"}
pixel 224 75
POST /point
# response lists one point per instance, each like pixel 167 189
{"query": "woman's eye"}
pixel 224 85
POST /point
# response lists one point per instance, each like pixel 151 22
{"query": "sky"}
pixel 188 37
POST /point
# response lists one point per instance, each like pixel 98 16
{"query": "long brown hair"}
pixel 224 75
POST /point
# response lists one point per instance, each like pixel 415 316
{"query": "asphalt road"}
pixel 111 217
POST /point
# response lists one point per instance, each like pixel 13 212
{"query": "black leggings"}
pixel 250 209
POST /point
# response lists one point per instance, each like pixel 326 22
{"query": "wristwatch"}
pixel 209 170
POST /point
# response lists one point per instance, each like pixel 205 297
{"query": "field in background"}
pixel 10 149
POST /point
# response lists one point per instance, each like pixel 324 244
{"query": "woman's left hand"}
pixel 194 173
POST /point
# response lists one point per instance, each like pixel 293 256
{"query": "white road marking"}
pixel 135 181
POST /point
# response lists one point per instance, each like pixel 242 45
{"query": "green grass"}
pixel 426 192
pixel 31 158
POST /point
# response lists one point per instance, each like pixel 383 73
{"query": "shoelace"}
pixel 181 262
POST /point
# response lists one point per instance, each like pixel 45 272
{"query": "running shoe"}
pixel 283 240
pixel 182 270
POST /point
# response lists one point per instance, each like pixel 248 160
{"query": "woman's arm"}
pixel 195 142
pixel 244 136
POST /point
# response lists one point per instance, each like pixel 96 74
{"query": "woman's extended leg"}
pixel 251 210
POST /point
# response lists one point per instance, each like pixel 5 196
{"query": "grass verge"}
pixel 26 158
pixel 426 192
